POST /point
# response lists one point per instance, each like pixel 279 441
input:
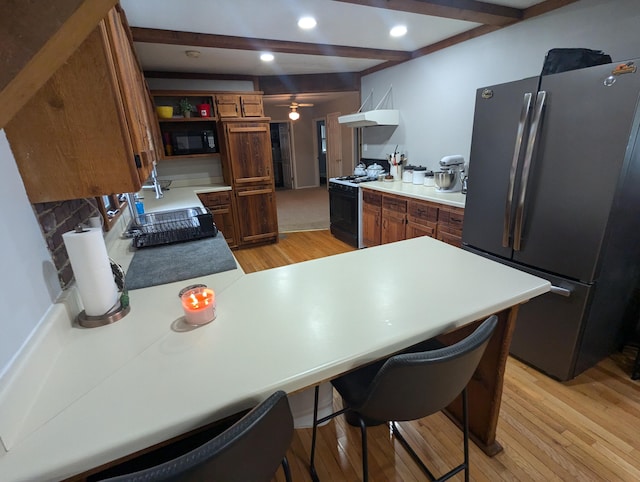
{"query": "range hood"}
pixel 375 117
pixel 379 117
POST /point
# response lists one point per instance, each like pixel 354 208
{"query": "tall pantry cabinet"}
pixel 246 146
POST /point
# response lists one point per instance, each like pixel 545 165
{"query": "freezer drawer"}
pixel 549 328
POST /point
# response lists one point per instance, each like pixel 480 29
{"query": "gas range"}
pixel 351 180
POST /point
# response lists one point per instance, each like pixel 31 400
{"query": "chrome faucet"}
pixel 156 184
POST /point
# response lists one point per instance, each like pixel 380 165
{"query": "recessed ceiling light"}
pixel 307 22
pixel 266 57
pixel 194 54
pixel 398 31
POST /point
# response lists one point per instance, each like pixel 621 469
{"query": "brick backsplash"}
pixel 56 218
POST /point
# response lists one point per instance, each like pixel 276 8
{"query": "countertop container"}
pixel 407 174
pixel 419 173
pixel 428 179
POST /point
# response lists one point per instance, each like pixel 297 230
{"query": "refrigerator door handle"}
pixel 560 291
pixel 524 177
pixel 522 123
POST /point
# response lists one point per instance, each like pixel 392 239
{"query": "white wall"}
pixel 435 93
pixel 29 282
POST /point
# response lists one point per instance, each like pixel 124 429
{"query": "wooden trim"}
pixel 155 74
pixel 545 7
pixel 250 180
pixel 173 37
pixel 443 44
pixel 467 10
pixel 295 84
pixel 259 237
pixel 248 129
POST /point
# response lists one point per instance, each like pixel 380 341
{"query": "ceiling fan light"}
pixel 307 23
pixel 294 115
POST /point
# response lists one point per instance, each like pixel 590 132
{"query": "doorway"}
pixel 281 154
pixel 321 149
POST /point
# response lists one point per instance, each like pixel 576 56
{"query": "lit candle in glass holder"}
pixel 199 305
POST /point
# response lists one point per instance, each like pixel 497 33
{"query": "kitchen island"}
pixel 120 388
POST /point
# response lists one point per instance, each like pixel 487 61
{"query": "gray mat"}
pixel 176 262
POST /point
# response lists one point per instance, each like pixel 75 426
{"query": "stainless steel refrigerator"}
pixel 554 190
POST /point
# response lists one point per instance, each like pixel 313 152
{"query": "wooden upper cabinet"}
pixel 228 105
pixel 137 102
pixel 88 131
pixel 239 105
pixel 251 105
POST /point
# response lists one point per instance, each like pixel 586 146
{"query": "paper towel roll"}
pixel 92 270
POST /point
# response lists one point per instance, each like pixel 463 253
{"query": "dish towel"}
pixel 176 262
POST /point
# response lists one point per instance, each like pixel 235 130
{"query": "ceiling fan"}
pixel 293 106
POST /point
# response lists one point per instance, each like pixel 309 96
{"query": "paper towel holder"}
pixel 118 311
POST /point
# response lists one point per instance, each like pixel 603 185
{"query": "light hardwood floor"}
pixel 582 430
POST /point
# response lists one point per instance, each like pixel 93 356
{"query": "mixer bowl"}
pixel 444 179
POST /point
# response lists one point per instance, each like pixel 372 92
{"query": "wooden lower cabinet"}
pixel 387 218
pixel 450 221
pixel 371 218
pixel 221 206
pixel 257 215
pixel 415 230
pixel 422 218
pixel 394 218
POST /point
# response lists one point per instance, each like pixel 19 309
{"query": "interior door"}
pixel 334 146
pixel 321 150
pixel 284 130
pixel 574 174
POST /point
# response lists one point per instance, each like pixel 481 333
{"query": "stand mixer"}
pixel 449 178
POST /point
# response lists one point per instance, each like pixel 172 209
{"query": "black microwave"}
pixel 194 142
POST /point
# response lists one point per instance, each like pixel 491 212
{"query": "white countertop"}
pixel 178 197
pixel 139 381
pixel 418 191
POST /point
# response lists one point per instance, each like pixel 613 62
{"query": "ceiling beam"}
pixel 534 11
pixel 158 74
pixel 545 7
pixel 467 10
pixel 151 35
pixel 308 83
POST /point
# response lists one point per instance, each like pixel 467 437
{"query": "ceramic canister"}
pixel 419 174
